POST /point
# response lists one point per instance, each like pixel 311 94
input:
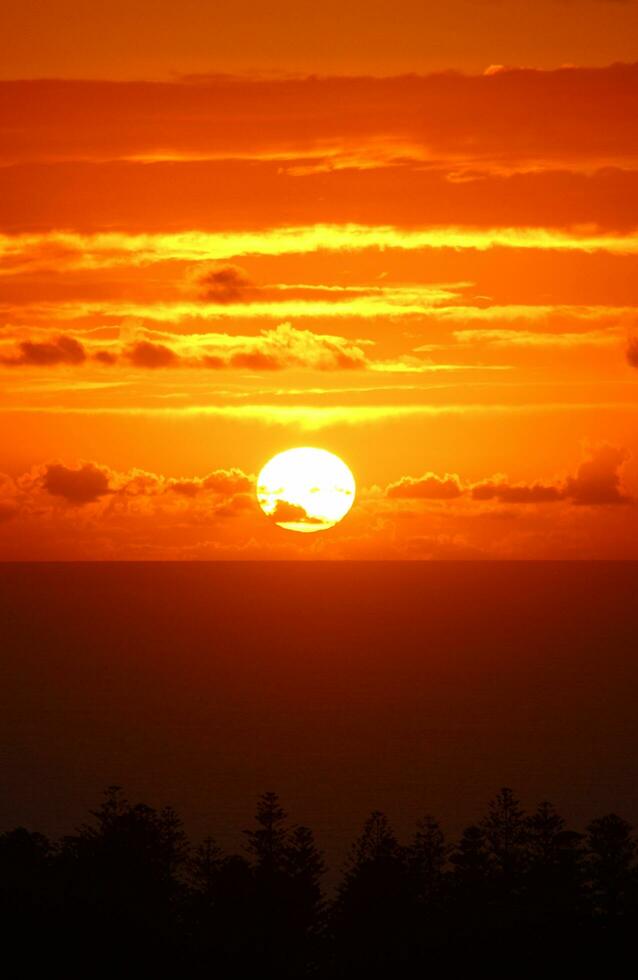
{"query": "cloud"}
pixel 502 337
pixel 632 350
pixel 312 417
pixel 226 482
pixel 256 361
pixel 77 486
pixel 188 488
pixel 521 493
pixel 62 350
pixel 105 357
pixel 271 350
pixel 286 346
pixel 229 481
pixel 102 512
pixel 237 505
pixel 89 510
pixel 229 284
pixel 240 195
pixel 331 121
pixel 288 513
pixel 598 480
pixel 88 482
pixel 147 355
pixel 224 284
pixel 430 487
pixel 112 250
pixel 75 196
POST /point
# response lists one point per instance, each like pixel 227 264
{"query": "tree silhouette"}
pixel 204 867
pixel 471 884
pixel 287 868
pixel 373 907
pixel 25 857
pixel 122 873
pixel 552 904
pixel 471 859
pixel 555 862
pixel 612 849
pixel 506 835
pixel 127 892
pixel 545 828
pixel 305 867
pixel 267 843
pixel 427 857
pixel 29 897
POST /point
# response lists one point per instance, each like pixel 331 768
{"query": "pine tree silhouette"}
pixel 127 891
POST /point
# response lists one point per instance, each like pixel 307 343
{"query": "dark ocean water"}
pixel 344 687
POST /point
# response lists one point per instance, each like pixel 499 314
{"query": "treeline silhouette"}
pixel 517 893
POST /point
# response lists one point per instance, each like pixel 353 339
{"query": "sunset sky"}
pixel 405 233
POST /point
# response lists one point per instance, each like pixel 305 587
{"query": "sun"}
pixel 305 489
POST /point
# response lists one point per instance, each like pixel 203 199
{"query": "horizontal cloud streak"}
pixel 312 418
pixel 69 250
pixel 529 338
pixel 431 117
pixel 282 347
pixel 241 196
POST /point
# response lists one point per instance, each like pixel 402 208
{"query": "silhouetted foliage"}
pixel 372 906
pixel 471 860
pixel 506 835
pixel 204 867
pixel 128 892
pixel 612 874
pixel 282 904
pixel 122 877
pixel 267 843
pixel 427 856
pixel 555 871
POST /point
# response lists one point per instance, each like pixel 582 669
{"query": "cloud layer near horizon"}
pixel 139 514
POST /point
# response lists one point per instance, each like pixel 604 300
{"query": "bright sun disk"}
pixel 305 489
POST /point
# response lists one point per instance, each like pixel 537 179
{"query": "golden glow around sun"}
pixel 305 489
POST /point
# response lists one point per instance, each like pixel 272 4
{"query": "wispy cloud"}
pixel 309 417
pixel 71 250
pixel 460 119
pixel 529 338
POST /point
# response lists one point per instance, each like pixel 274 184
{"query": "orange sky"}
pixel 223 237
pixel 138 39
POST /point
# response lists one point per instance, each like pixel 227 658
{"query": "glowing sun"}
pixel 305 489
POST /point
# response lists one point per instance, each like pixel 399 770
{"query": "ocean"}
pixel 410 687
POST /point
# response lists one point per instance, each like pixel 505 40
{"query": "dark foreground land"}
pixel 516 894
pixel 401 689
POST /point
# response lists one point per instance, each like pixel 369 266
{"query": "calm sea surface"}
pixel 344 687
